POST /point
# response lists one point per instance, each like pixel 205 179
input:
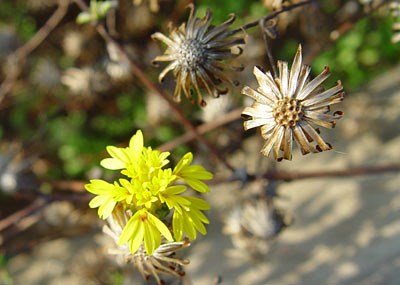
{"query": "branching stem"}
pixel 141 75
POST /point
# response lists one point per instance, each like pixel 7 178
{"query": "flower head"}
pixel 286 107
pixel 162 260
pixel 395 12
pixel 254 224
pixel 196 51
pixel 154 6
pixel 148 193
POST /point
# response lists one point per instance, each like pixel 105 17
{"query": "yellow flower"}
pixel 154 6
pixel 148 193
pixel 192 174
pixel 191 218
pixel 107 196
pixel 143 226
pixel 123 157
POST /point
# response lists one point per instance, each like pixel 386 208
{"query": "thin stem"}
pixel 289 176
pixel 21 53
pixel 269 17
pixel 14 218
pixel 139 73
pixel 347 25
pixel 271 59
pixel 202 129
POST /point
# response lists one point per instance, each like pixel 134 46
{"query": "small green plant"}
pixel 97 11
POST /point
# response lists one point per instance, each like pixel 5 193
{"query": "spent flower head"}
pixel 287 106
pixel 149 193
pixel 154 6
pixel 254 223
pixel 163 260
pixel 395 12
pixel 197 51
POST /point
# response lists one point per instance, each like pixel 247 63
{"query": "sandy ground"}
pixel 345 230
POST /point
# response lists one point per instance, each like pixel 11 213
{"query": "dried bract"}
pixel 197 51
pixel 286 107
pixel 162 260
pixel 154 6
pixel 253 225
pixel 395 12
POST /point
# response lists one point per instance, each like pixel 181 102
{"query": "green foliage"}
pixel 97 11
pixel 117 278
pixel 221 9
pixel 361 54
pixel 5 277
pixel 16 14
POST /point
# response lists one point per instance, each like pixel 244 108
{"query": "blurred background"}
pixel 65 95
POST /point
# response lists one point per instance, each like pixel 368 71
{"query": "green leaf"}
pixel 103 8
pixel 83 18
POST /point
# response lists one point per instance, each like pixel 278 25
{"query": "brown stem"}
pixel 271 16
pixel 202 129
pixel 289 176
pixel 138 72
pixel 269 53
pixel 347 25
pixel 21 53
pixel 16 217
pixel 367 170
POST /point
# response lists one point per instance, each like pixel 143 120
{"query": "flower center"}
pixel 287 112
pixel 191 54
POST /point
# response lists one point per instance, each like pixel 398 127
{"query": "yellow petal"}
pixel 137 239
pixel 112 164
pixel 161 227
pixel 136 145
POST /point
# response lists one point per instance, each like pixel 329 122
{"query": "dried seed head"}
pixel 197 52
pixel 287 112
pixel 163 260
pixel 192 54
pixel 286 107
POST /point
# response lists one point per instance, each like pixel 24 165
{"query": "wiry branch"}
pixel 349 23
pixel 270 16
pixel 20 55
pixel 138 72
pixel 358 171
pixel 292 176
pixel 202 129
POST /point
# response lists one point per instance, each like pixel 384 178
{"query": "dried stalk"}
pixel 20 55
pixel 141 75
